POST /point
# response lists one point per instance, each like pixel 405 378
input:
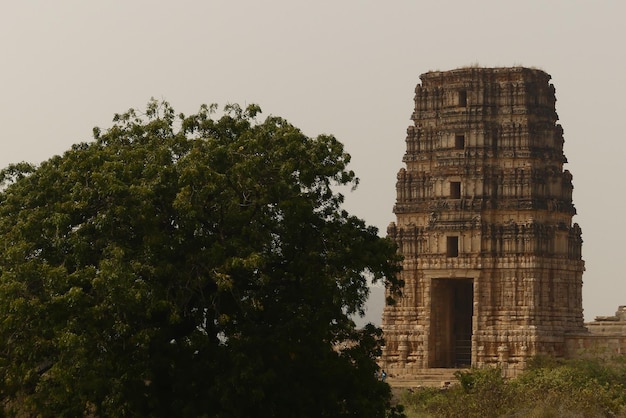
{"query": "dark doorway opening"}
pixel 450 341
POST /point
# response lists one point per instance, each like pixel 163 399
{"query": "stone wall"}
pixel 605 337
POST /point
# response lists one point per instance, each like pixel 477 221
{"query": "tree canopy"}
pixel 189 266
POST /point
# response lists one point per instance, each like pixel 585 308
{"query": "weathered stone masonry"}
pixel 492 261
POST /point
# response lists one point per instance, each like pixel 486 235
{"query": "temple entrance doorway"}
pixel 450 341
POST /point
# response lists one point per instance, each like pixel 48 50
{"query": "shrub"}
pixel 581 388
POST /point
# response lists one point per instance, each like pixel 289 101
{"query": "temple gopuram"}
pixel 492 260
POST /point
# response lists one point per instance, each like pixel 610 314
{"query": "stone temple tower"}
pixel 492 261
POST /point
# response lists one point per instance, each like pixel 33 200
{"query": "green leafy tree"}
pixel 189 266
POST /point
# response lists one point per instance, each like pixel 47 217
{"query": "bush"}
pixel 481 393
pixel 581 388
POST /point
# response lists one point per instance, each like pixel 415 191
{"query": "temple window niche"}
pixel 459 141
pixel 452 246
pixel 455 190
pixel 462 102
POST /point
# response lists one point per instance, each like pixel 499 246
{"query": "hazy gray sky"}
pixel 343 67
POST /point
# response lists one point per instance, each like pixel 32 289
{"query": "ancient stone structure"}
pixel 606 337
pixel 492 261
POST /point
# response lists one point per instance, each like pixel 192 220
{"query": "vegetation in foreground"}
pixel 581 388
pixel 189 266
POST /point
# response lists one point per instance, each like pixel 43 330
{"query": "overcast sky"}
pixel 343 67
